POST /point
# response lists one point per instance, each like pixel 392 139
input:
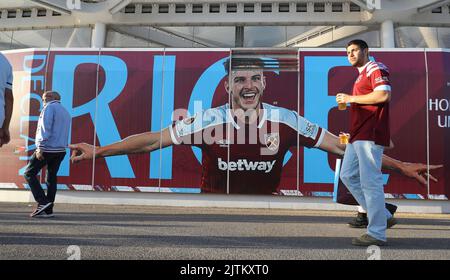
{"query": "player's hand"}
pixel 418 171
pixel 81 151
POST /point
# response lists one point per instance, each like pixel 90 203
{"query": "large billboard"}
pixel 114 93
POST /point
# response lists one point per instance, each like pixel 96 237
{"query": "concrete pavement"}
pixel 184 233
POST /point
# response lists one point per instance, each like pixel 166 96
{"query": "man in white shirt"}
pixel 6 99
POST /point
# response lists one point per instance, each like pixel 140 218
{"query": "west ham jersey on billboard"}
pixel 371 122
pixel 247 158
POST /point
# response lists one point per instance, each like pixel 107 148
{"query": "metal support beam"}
pixel 52 6
pixel 363 5
pixel 387 34
pixel 323 38
pixel 433 5
pixel 159 36
pixel 119 6
pixel 239 35
pixel 160 13
pixel 99 35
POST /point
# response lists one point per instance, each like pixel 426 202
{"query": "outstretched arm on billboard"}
pixel 137 143
pixel 417 171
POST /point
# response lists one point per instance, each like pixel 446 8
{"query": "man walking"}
pixel 51 142
pixel 369 130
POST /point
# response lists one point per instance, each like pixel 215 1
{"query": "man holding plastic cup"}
pixel 369 115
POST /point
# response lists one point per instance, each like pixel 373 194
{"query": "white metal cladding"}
pixel 40 14
pixel 219 24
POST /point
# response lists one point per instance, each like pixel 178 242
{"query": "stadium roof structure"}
pixel 226 23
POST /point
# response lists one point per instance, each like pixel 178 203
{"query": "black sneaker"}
pixel 360 221
pixel 391 208
pixel 44 215
pixel 39 209
pixel 391 222
pixel 49 212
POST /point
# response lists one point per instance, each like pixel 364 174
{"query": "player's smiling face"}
pixel 246 89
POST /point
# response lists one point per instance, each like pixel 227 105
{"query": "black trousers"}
pixel 53 161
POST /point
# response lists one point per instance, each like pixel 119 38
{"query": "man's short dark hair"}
pixel 250 63
pixel 360 43
pixel 54 94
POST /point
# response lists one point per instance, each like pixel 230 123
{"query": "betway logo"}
pixel 244 165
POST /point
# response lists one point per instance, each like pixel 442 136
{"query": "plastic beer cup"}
pixel 343 138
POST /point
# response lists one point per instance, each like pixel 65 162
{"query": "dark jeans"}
pixel 53 161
